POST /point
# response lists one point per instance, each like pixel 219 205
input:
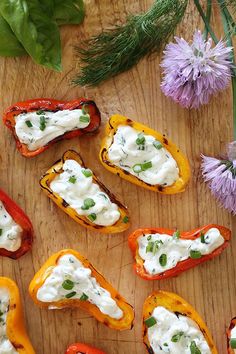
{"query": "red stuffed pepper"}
pixel 231 337
pixel 80 348
pixel 164 253
pixel 37 124
pixel 16 231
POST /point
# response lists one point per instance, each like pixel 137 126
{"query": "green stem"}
pixel 203 16
pixel 208 17
pixel 234 104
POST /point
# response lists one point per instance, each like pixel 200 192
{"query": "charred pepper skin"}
pixel 174 303
pixel 183 265
pixel 125 323
pixel 182 162
pixel 121 225
pixel 51 105
pixel 21 219
pixel 16 331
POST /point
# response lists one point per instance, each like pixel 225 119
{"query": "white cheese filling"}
pixel 70 279
pixel 36 129
pixel 6 346
pixel 143 156
pixel 175 334
pixel 10 231
pixel 152 247
pixel 78 190
pixel 233 336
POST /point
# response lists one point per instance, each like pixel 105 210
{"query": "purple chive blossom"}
pixel 221 178
pixel 194 72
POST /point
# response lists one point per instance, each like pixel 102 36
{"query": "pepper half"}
pixel 126 322
pixel 121 225
pixel 83 349
pixel 183 265
pixel 182 162
pixel 16 332
pixel 50 105
pixel 229 345
pixel 174 303
pixel 21 219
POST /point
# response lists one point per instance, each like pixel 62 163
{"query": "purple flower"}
pixel 194 72
pixel 221 177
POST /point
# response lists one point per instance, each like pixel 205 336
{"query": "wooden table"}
pixel 211 287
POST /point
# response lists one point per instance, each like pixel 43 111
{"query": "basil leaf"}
pixel 35 29
pixel 69 12
pixel 9 44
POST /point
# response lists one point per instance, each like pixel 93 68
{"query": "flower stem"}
pixel 208 17
pixel 206 21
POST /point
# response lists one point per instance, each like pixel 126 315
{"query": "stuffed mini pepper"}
pixel 80 194
pixel 39 123
pixel 143 156
pixel 67 279
pixel 80 348
pixel 231 337
pixel 16 231
pixel 171 325
pixel 13 336
pixel 163 253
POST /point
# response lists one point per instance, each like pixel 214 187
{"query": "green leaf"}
pixel 9 44
pixel 69 11
pixel 35 29
pixel 194 349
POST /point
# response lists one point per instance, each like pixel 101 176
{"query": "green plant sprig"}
pixel 114 51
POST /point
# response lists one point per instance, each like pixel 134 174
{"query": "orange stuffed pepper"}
pixel 171 325
pixel 143 156
pixel 81 195
pixel 14 338
pixel 67 279
pixel 163 253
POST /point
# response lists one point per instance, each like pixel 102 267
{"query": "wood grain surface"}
pixel 211 287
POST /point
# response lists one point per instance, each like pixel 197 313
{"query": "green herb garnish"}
pixel 72 179
pixel 139 167
pixel 125 219
pixel 202 236
pixel 84 119
pixel 195 254
pixel 194 349
pixel 140 139
pixel 84 297
pixel 42 125
pixel 157 145
pixel 68 296
pixel 176 234
pixel 149 322
pixel 88 203
pixel 149 237
pixel 92 217
pixel 155 247
pixel 28 123
pixel 232 343
pixel 176 338
pixel 163 260
pixel 40 112
pixel 149 247
pixel 1 235
pixel 87 172
pixel 68 284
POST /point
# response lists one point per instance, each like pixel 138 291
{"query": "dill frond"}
pixel 114 51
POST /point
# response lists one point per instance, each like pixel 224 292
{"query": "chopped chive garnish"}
pixel 149 247
pixel 126 219
pixel 40 112
pixel 232 343
pixel 42 125
pixel 28 123
pixel 68 296
pixel 149 237
pixel 68 284
pixel 84 110
pixel 140 139
pixel 87 172
pixel 165 344
pixel 72 179
pixel 84 297
pixel 146 165
pixel 92 217
pixel 176 338
pixel 155 247
pixel 84 119
pixel 163 260
pixel 157 145
pixel 0 232
pixel 194 349
pixel 195 254
pixel 139 167
pixel 202 236
pixel 88 203
pixel 149 322
pixel 176 234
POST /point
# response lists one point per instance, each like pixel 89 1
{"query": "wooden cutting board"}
pixel 211 287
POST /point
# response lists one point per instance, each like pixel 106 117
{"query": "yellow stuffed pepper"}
pixel 80 194
pixel 143 156
pixel 68 279
pixel 172 325
pixel 13 336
